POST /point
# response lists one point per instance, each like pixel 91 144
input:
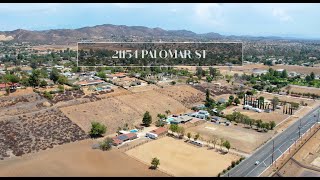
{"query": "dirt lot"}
pixel 277 116
pixel 248 68
pixel 185 94
pixel 303 89
pixel 55 47
pixel 288 98
pixel 117 111
pixel 76 159
pixel 240 138
pixel 182 159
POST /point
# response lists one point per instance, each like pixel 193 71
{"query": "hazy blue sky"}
pixel 298 20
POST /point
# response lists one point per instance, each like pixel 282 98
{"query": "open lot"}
pixel 240 138
pixel 117 111
pixel 185 94
pixel 247 68
pixel 277 116
pixel 303 89
pixel 76 159
pixel 182 159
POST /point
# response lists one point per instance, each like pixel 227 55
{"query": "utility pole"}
pixel 300 122
pixel 318 116
pixel 272 150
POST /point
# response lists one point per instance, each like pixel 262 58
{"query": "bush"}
pixel 106 144
pixel 97 129
pixel 47 95
pixel 233 164
pixel 224 171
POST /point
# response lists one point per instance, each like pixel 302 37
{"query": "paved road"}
pixel 282 142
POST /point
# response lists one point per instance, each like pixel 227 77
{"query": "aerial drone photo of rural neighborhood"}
pixel 209 101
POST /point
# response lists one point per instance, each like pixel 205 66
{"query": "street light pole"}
pixel 272 150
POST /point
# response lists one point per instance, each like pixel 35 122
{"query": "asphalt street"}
pixel 282 142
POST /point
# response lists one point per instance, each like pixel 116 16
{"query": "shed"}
pixel 159 131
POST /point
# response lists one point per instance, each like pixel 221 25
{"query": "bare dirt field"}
pixel 308 155
pixel 115 112
pixel 185 94
pixel 269 96
pixel 247 68
pixel 277 116
pixel 55 47
pixel 152 101
pixel 240 138
pixel 303 89
pixel 181 159
pixel 76 159
pixel 143 88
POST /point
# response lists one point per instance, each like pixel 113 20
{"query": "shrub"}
pixel 233 164
pixel 106 144
pixel 97 129
pixel 47 95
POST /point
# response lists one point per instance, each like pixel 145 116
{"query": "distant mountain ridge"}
pixel 109 32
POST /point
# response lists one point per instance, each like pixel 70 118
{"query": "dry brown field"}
pixel 116 111
pixel 185 94
pixel 277 116
pixel 303 89
pixel 76 159
pixel 181 159
pixel 240 138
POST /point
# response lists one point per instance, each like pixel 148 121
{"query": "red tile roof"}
pixel 159 131
pixel 116 141
pixel 131 135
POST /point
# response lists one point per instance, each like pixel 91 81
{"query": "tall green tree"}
pixel 147 119
pixel 34 79
pixel 312 76
pixel 227 144
pixel 275 101
pixel 54 75
pixel 236 101
pixel 97 129
pixel 284 74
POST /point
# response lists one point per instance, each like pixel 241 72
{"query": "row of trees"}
pixel 244 119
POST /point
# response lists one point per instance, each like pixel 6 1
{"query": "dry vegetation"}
pixel 117 111
pixel 185 94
